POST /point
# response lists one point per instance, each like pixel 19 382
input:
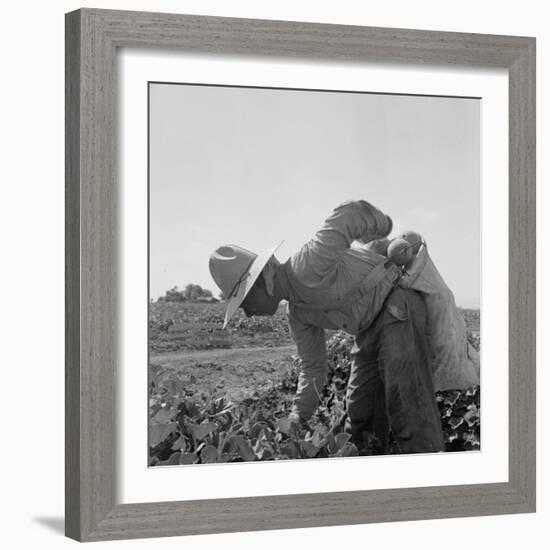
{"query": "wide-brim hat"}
pixel 235 270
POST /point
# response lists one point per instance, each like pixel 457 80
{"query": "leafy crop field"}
pixel 231 405
pixel 243 331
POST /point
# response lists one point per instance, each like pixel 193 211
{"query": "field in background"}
pixel 217 397
pixel 242 332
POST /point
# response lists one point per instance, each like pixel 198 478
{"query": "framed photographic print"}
pixel 300 275
pixel 273 161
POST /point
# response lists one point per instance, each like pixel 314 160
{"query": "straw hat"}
pixel 235 270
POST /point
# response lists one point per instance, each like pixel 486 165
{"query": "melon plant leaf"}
pixel 243 448
pixel 202 430
pixel 256 429
pixel 164 415
pixel 284 425
pixel 309 450
pixel 290 450
pixel 188 458
pixel 159 432
pixel 209 454
pixel 341 439
pixel 349 449
pixel 180 443
pixel 174 459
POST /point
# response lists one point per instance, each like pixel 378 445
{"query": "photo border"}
pixel 92 39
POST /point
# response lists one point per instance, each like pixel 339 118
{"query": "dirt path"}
pixel 232 355
pixel 235 373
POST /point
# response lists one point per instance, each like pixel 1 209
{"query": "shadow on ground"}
pixel 54 524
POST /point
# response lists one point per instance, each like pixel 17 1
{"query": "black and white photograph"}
pixel 271 274
pixel 314 274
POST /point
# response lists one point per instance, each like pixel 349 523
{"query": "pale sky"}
pixel 253 167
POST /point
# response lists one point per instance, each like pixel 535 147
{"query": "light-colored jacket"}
pixel 455 360
pixel 334 286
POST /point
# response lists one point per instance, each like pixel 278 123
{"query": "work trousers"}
pixel 391 381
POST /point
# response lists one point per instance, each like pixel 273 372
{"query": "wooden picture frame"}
pixel 92 39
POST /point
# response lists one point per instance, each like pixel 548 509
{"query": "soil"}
pixel 260 356
pixel 236 373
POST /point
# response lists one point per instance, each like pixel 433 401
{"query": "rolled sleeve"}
pixel 310 343
pixel 352 220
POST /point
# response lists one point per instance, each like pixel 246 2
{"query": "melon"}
pixel 400 251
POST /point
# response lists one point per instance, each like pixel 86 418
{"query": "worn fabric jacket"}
pixel 455 360
pixel 332 285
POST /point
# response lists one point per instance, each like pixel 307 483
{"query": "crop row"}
pixel 189 427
